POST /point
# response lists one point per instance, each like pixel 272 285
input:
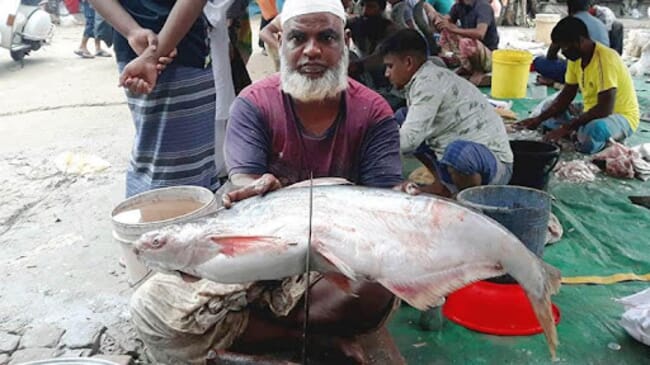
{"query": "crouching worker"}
pixel 611 108
pixel 449 125
pixel 308 119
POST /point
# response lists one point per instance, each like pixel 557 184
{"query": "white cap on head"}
pixel 293 8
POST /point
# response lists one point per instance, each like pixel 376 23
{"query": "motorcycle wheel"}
pixel 18 55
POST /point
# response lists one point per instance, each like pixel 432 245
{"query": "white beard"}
pixel 305 89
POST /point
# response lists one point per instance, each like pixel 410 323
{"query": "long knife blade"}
pixel 305 327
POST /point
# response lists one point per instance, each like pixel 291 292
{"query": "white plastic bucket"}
pixel 152 210
pixel 544 24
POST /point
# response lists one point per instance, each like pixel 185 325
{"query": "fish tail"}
pixel 542 306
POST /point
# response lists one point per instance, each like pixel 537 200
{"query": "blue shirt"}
pixel 193 49
pixel 597 30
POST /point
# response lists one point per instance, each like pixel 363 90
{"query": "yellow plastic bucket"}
pixel 510 71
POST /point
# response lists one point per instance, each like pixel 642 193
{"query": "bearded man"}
pixel 310 119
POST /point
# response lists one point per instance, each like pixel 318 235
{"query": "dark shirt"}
pixel 264 135
pixel 472 15
pixel 193 49
pixel 238 9
pixel 368 32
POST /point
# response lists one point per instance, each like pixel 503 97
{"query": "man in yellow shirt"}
pixel 598 72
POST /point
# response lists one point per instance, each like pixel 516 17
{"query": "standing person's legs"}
pixel 103 32
pixel 225 92
pixel 593 136
pixel 175 132
pixel 89 31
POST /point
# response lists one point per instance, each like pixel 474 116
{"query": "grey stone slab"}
pixel 76 353
pixel 4 359
pixel 118 359
pixel 8 342
pixel 33 354
pixel 82 335
pixel 41 336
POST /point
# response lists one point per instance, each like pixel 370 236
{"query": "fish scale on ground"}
pixel 421 248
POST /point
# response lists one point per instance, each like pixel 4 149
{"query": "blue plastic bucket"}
pixel 523 211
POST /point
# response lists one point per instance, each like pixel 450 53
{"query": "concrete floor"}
pixel 58 262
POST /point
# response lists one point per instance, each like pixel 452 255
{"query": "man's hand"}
pixel 558 134
pixel 141 39
pixel 530 123
pixel 141 74
pixel 166 60
pixel 408 187
pixel 261 186
pixel 444 24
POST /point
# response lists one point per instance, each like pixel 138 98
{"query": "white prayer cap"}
pixel 293 8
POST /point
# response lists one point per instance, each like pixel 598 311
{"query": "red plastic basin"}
pixel 496 309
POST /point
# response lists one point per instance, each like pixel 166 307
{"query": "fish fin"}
pixel 321 181
pixel 542 306
pixel 340 281
pixel 241 245
pixel 334 260
pixel 427 291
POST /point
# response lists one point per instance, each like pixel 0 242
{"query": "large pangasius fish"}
pixel 421 248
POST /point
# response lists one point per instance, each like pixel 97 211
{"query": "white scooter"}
pixel 24 27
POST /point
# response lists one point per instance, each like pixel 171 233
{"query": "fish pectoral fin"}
pixel 334 260
pixel 321 181
pixel 418 295
pixel 243 245
pixel 427 291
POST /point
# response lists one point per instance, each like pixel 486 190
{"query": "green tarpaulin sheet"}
pixel 604 234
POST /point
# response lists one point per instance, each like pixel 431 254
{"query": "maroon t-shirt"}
pixel 265 136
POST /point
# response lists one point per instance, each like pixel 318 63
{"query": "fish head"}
pixel 166 249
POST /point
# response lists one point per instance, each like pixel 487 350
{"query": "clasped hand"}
pixel 140 75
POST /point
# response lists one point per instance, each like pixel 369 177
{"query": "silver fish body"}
pixel 421 248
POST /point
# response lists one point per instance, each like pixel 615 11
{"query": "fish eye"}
pixel 157 242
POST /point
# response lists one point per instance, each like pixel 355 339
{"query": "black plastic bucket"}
pixel 533 163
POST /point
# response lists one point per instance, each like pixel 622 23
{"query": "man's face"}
pixel 372 9
pixel 314 56
pixel 398 70
pixel 571 51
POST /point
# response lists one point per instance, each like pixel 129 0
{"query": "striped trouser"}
pixel 174 132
